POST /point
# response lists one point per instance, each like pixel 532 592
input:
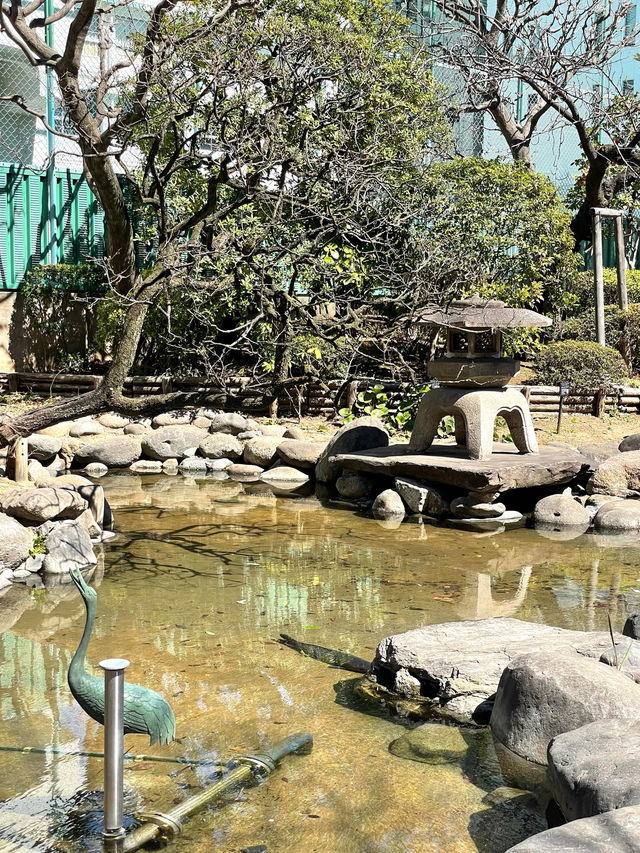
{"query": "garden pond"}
pixel 194 590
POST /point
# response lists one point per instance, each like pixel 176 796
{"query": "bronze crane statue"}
pixel 145 711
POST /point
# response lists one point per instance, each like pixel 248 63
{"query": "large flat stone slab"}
pixel 507 468
pixel 612 832
pixel 458 664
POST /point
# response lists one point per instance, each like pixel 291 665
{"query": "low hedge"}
pixel 584 364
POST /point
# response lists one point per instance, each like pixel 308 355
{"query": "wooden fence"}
pixel 313 398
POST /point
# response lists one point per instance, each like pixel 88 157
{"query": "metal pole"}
pixel 51 145
pixel 621 264
pixel 113 831
pixel 598 278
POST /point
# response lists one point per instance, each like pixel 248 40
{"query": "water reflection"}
pixel 199 582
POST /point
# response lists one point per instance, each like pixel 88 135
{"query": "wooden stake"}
pixel 621 265
pixel 598 277
pixel 21 461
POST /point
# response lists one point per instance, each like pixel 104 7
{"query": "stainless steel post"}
pixel 113 831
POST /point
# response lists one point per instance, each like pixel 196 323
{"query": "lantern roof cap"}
pixel 476 313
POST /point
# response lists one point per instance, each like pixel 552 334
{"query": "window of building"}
pixel 630 21
pixel 627 87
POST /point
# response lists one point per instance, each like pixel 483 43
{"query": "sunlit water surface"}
pixel 198 584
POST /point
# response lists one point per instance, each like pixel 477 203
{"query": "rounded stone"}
pixel 115 451
pixel 466 507
pixel 15 542
pixel 193 465
pixel 618 515
pixel 295 433
pixel 238 471
pixel 147 466
pixel 619 475
pixel 300 454
pixel 284 474
pixel 173 442
pixel 38 505
pixel 218 464
pixel 220 445
pixel 353 486
pixel 261 451
pixel 43 447
pixel 95 469
pixel 179 417
pixel 135 429
pixel 630 443
pixel 111 420
pixel 560 511
pixel 230 422
pixel 361 434
pixel 273 430
pixel 202 423
pixel 388 504
pixel 420 497
pixel 85 427
pixel 632 626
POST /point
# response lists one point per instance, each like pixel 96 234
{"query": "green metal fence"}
pixel 24 237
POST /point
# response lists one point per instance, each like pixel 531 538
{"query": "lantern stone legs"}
pixel 474 411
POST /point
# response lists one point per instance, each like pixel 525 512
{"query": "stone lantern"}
pixel 473 377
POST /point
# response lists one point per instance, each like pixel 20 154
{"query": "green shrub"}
pixel 583 364
pixel 622 330
pixel 583 291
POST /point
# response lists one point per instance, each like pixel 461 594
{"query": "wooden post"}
pixel 21 461
pixel 621 264
pixel 598 278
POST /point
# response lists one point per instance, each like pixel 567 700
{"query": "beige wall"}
pixel 7 302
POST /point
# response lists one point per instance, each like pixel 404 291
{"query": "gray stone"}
pixel 238 471
pixel 218 464
pixel 300 454
pixel 360 434
pixel 179 417
pixel 85 427
pixel 173 442
pixel 38 505
pixel 619 475
pixel 15 542
pixel 283 475
pixel 249 434
pixel 170 464
pixel 115 451
pixel 147 466
pixel 629 443
pixel 111 420
pixel 202 423
pixel 470 507
pixel 230 422
pixel 68 545
pixel 135 429
pixel 598 452
pixel 420 497
pixel 632 626
pixel 20 575
pixel 543 694
pixel 354 486
pixel 388 504
pixel 459 664
pixel 33 563
pixel 295 433
pixel 273 430
pixel 261 451
pixel 625 657
pixel 43 447
pixel 509 518
pixel 560 511
pixel 406 684
pixel 221 446
pixel 613 832
pixel 95 469
pixel 618 515
pixel 597 500
pixel 194 465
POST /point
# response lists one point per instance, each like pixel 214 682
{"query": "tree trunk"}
pixel 593 197
pixel 282 357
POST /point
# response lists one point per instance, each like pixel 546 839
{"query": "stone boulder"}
pixel 68 546
pixel 618 515
pixel 220 445
pixel 613 832
pixel 38 505
pixel 459 664
pixel 354 486
pixel 560 511
pixel 471 507
pixel 111 420
pixel 272 430
pixel 283 476
pixel 95 469
pixel 86 426
pixel 15 542
pixel 261 451
pixel 619 475
pixel 300 454
pixel 598 452
pixel 43 447
pixel 135 429
pixel 360 434
pixel 594 769
pixel 420 497
pixel 630 443
pixel 295 433
pixel 230 422
pixel 632 626
pixel 238 471
pixel 115 451
pixel 179 417
pixel 218 464
pixel 193 465
pixel 147 466
pixel 543 694
pixel 388 504
pixel 173 442
pixel 201 423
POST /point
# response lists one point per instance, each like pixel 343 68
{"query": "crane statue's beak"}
pixel 77 579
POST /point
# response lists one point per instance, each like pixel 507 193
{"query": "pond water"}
pixel 195 589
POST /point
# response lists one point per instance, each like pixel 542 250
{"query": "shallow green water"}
pixel 201 579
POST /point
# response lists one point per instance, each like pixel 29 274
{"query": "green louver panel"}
pixel 24 222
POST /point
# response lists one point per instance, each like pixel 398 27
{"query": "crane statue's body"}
pixel 145 711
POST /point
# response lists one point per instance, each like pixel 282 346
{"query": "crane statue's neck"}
pixel 77 662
